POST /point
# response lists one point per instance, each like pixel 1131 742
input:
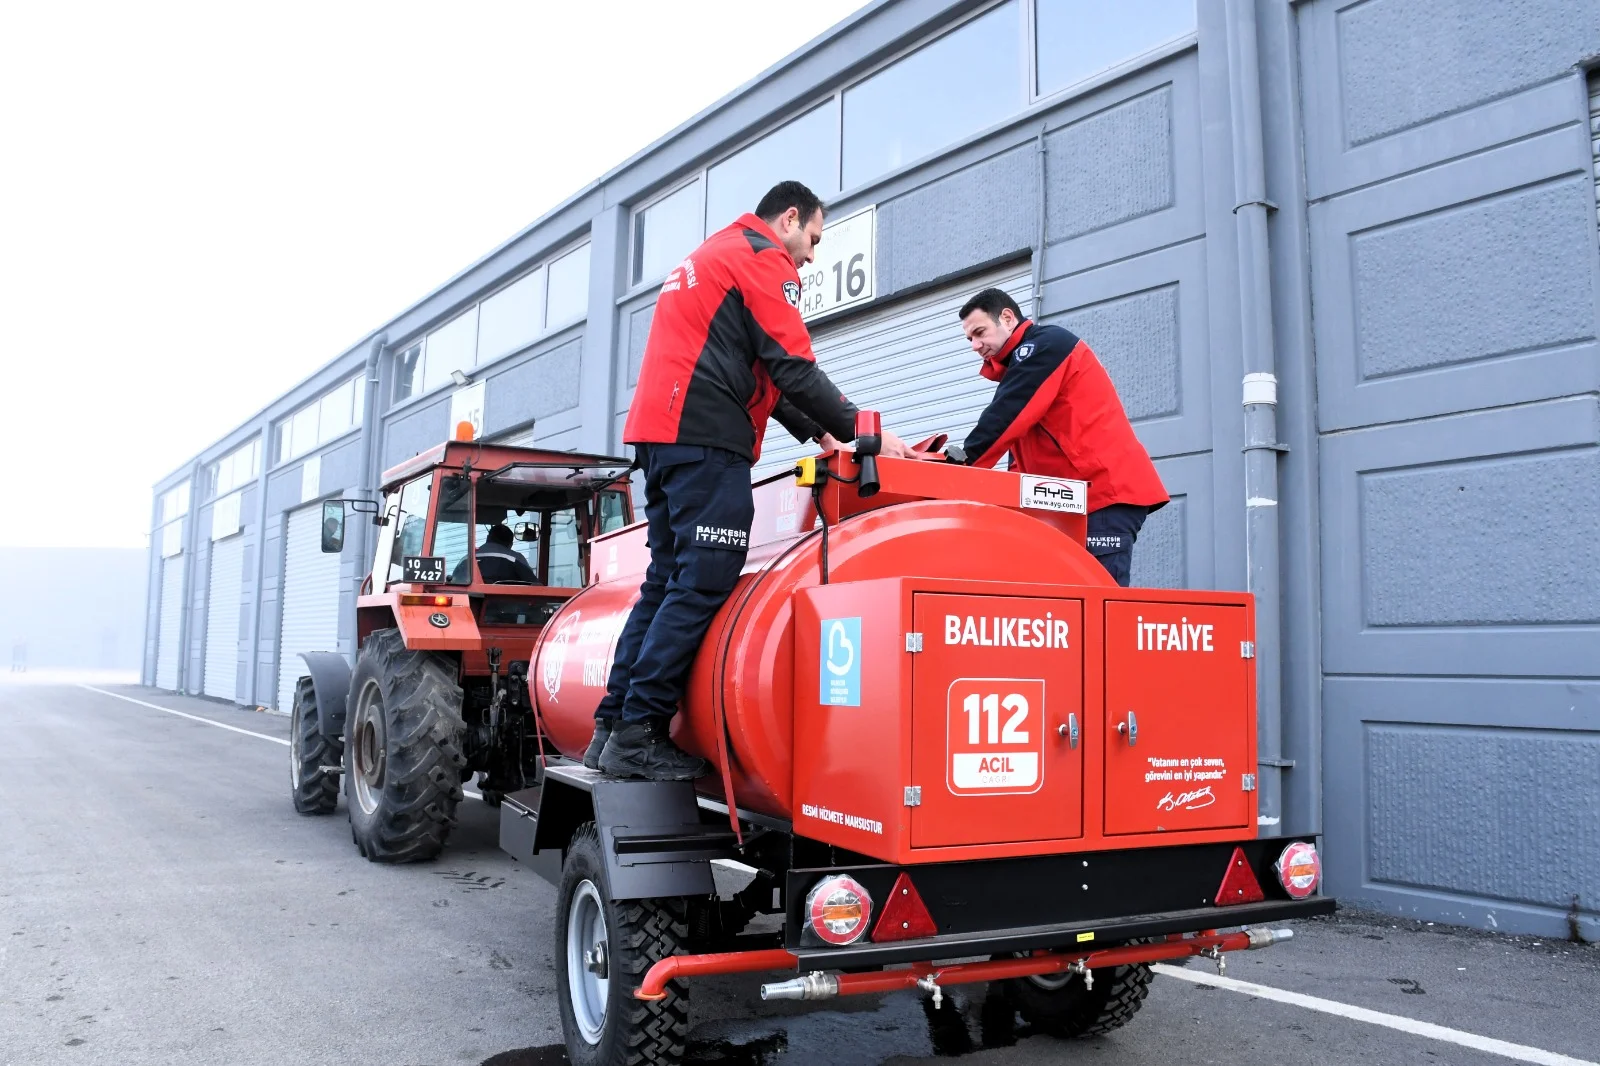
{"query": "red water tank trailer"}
pixel 864 680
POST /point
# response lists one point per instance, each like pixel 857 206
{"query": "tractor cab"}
pixel 486 536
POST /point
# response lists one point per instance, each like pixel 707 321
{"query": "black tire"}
pixel 638 934
pixel 313 791
pixel 403 760
pixel 1068 1009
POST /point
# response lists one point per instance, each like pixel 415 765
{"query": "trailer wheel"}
pixel 403 758
pixel 314 792
pixel 1060 1005
pixel 603 950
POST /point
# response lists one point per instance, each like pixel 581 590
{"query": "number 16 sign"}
pixel 995 736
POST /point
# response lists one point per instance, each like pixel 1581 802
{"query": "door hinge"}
pixel 1248 782
pixel 1247 649
pixel 913 795
pixel 913 642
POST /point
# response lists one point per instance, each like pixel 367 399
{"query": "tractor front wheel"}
pixel 403 758
pixel 310 750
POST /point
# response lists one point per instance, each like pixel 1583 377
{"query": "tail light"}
pixel 838 911
pixel 1299 869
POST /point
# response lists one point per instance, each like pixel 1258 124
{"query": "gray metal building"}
pixel 1340 257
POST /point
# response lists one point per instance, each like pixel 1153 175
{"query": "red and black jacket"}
pixel 1058 414
pixel 726 345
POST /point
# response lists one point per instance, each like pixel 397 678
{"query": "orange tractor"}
pixel 446 623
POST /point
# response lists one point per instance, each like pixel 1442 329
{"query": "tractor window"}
pixel 524 526
pixel 613 511
pixel 452 537
pixel 566 567
pixel 410 524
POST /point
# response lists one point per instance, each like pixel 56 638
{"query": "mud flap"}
pixel 651 832
pixel 330 684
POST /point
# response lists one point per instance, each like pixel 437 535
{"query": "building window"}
pixel 453 346
pixel 330 415
pixel 238 467
pixel 408 371
pixel 512 317
pixel 569 288
pixel 175 502
pixel 966 80
pixel 666 231
pixel 806 150
pixel 1077 39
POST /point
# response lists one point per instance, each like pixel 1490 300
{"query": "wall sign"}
pixel 466 405
pixel 845 272
pixel 225 517
pixel 311 479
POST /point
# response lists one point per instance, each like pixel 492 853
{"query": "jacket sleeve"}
pixel 1026 392
pixel 792 419
pixel 783 344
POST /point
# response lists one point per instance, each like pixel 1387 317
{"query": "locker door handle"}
pixel 1129 729
pixel 1070 730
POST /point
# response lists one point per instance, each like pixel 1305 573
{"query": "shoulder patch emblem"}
pixel 791 292
pixel 1022 352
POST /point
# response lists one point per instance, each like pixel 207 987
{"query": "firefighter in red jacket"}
pixel 727 348
pixel 1057 413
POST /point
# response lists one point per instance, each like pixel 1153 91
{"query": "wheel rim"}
pixel 1050 982
pixel 588 968
pixel 368 752
pixel 294 747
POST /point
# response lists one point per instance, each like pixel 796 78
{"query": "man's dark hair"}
pixel 991 302
pixel 787 194
pixel 499 533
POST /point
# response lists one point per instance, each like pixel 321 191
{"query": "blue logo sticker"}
pixel 841 663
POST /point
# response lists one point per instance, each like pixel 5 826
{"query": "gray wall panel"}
pixel 1471 52
pixel 1505 242
pixel 1482 783
pixel 1136 337
pixel 1424 529
pixel 1160 556
pixel 283 490
pixel 534 388
pixel 1458 549
pixel 1430 785
pixel 639 320
pixel 983 214
pixel 416 430
pixel 1537 296
pixel 1112 167
pixel 1177 546
pixel 341 467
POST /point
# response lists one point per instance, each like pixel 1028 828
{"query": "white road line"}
pixel 1503 1048
pixel 219 725
pixel 181 714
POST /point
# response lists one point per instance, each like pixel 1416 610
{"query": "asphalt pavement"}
pixel 161 902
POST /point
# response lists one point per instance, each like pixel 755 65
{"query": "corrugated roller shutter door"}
pixel 1594 133
pixel 310 620
pixel 222 618
pixel 910 362
pixel 171 617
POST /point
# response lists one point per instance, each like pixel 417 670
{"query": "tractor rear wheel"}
pixel 403 758
pixel 604 947
pixel 314 791
pixel 1060 1005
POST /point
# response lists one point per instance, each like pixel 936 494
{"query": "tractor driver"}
pixel 498 561
pixel 1058 414
pixel 727 348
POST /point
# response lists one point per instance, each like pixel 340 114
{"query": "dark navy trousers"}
pixel 698 508
pixel 1112 531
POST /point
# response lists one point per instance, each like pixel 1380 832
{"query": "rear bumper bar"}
pixel 931 978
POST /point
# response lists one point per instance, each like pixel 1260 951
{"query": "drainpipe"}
pixel 1260 398
pixel 252 690
pixel 191 538
pixel 370 421
pixel 1039 233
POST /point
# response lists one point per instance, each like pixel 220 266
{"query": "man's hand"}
pixel 895 448
pixel 829 443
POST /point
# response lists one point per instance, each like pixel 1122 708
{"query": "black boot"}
pixel 602 733
pixel 643 749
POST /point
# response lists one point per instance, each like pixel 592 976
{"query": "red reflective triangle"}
pixel 904 916
pixel 1239 884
